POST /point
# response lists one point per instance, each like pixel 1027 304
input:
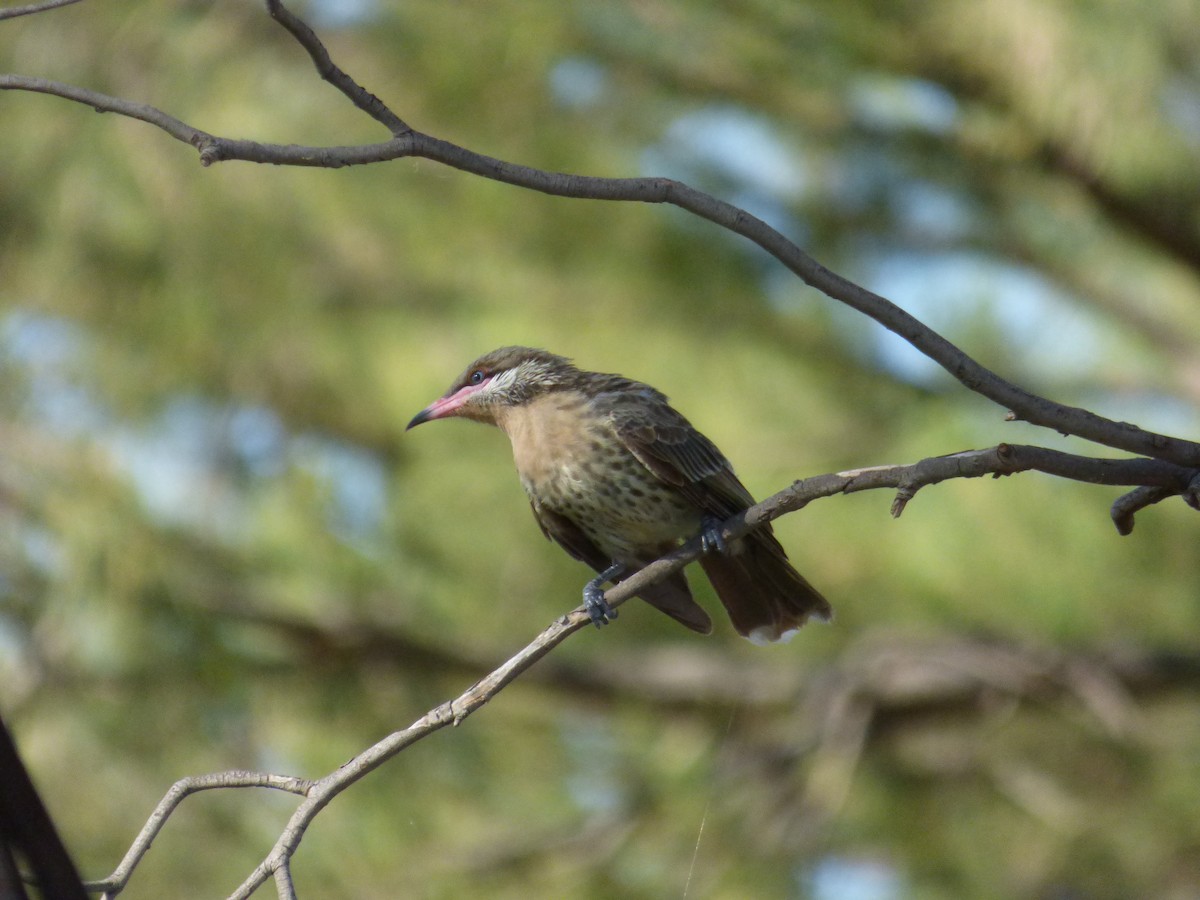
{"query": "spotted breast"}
pixel 571 462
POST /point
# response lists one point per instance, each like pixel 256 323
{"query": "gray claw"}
pixel 597 607
pixel 593 596
pixel 711 539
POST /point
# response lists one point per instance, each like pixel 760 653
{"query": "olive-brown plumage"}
pixel 615 475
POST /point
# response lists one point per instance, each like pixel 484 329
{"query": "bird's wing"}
pixel 671 596
pixel 667 444
pixel 766 598
pixel 569 536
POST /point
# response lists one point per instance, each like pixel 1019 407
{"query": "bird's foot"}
pixel 593 596
pixel 711 539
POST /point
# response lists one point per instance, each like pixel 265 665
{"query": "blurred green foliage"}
pixel 205 375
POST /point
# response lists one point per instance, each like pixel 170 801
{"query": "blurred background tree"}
pixel 219 551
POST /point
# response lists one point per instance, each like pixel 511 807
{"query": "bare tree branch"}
pixel 359 96
pixel 180 790
pixel 1002 460
pixel 13 12
pixel 28 832
pixel 1126 505
pixel 283 881
pixel 103 103
pixel 405 142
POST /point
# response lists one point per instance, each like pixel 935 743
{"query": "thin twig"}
pixel 13 12
pixel 358 95
pixel 1126 505
pixel 180 790
pixel 283 881
pixel 104 103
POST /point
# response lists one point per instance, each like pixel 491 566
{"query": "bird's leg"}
pixel 593 596
pixel 711 539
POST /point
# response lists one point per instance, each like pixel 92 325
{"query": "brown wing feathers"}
pixel 763 594
pixel 672 595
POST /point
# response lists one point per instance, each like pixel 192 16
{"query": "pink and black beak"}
pixel 448 406
pixel 438 409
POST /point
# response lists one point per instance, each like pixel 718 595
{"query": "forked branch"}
pixel 407 142
pixel 906 480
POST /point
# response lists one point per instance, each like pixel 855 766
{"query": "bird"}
pixel 617 477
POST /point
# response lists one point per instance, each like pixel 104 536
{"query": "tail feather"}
pixel 765 597
pixel 674 598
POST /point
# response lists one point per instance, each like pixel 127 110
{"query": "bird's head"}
pixel 503 378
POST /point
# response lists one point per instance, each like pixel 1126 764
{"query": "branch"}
pixel 13 12
pixel 406 142
pixel 907 480
pixel 1003 459
pixel 180 790
pixel 181 131
pixel 27 832
pixel 319 795
pixel 360 97
pixel 1139 498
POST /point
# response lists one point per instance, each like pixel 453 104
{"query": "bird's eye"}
pixel 477 377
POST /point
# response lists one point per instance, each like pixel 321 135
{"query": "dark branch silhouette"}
pixel 27 835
